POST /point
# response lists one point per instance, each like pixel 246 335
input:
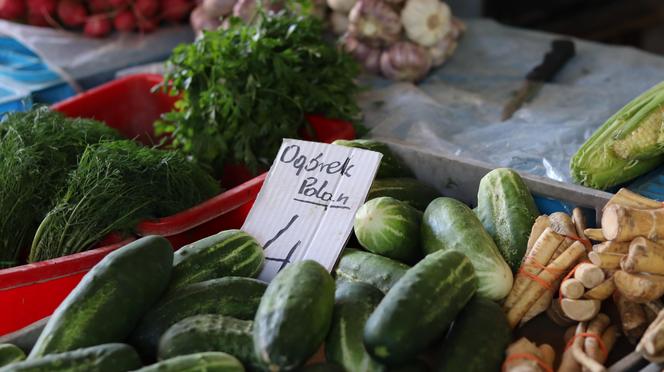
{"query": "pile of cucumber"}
pixel 421 294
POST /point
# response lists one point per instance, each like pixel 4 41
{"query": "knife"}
pixel 562 50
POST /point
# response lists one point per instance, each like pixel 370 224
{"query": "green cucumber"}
pixel 101 358
pixel 477 340
pixel 353 304
pixel 364 267
pixel 390 164
pixel 409 190
pixel 210 332
pixel 228 253
pixel 449 225
pixel 390 228
pixel 212 361
pixel 420 307
pixel 110 299
pixel 10 354
pixel 507 210
pixel 294 316
pixel 231 296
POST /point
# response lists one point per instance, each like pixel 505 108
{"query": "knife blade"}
pixel 562 50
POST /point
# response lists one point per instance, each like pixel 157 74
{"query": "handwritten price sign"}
pixel 306 207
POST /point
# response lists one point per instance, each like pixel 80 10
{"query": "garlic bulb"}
pixel 339 23
pixel 367 56
pixel 374 22
pixel 341 6
pixel 405 61
pixel 442 50
pixel 218 8
pixel 426 21
pixel 201 21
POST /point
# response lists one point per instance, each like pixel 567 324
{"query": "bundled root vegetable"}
pixel 38 149
pixel 523 355
pixel 590 345
pixel 651 345
pixel 115 185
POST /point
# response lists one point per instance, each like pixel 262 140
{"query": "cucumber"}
pixel 507 210
pixel 322 367
pixel 409 190
pixel 10 354
pixel 112 357
pixel 110 299
pixel 232 296
pixel 228 253
pixel 420 307
pixel 448 224
pixel 390 164
pixel 364 267
pixel 212 361
pixel 390 228
pixel 353 303
pixel 477 340
pixel 294 316
pixel 210 332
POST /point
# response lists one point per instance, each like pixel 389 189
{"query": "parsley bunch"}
pixel 244 89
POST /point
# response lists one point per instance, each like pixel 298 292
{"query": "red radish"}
pixel 146 8
pixel 12 9
pixel 97 26
pixel 43 7
pixel 125 21
pixel 175 10
pixel 147 25
pixel 119 4
pixel 99 6
pixel 38 20
pixel 72 13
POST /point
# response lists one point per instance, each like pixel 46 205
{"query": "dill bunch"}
pixel 38 149
pixel 115 185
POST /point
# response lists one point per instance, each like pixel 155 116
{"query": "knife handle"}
pixel 561 52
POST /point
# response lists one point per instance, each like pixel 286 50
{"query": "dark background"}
pixel 638 23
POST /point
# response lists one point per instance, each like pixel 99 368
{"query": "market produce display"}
pixel 97 18
pixel 627 145
pixel 275 71
pixel 38 149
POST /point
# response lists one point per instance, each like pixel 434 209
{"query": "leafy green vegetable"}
pixel 115 185
pixel 38 148
pixel 246 88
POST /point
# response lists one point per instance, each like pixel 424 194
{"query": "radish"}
pixel 119 4
pixel 125 21
pixel 12 9
pixel 36 19
pixel 97 26
pixel 146 8
pixel 99 6
pixel 72 13
pixel 147 25
pixel 175 10
pixel 43 7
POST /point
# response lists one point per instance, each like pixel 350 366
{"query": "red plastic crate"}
pixel 31 292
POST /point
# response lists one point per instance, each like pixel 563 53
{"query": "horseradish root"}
pixel 589 275
pixel 612 247
pixel 651 345
pixel 580 310
pixel 644 256
pixel 631 199
pixel 525 356
pixel 624 223
pixel 595 234
pixel 640 288
pixel 602 291
pixel 632 318
pixel 572 288
pixel 606 261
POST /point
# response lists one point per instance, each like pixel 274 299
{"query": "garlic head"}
pixel 368 57
pixel 374 22
pixel 405 61
pixel 339 23
pixel 341 6
pixel 426 21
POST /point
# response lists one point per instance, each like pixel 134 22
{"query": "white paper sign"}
pixel 306 207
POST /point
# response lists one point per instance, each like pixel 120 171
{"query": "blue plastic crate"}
pixel 25 79
pixel 650 185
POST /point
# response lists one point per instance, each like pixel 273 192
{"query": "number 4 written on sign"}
pixel 286 260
